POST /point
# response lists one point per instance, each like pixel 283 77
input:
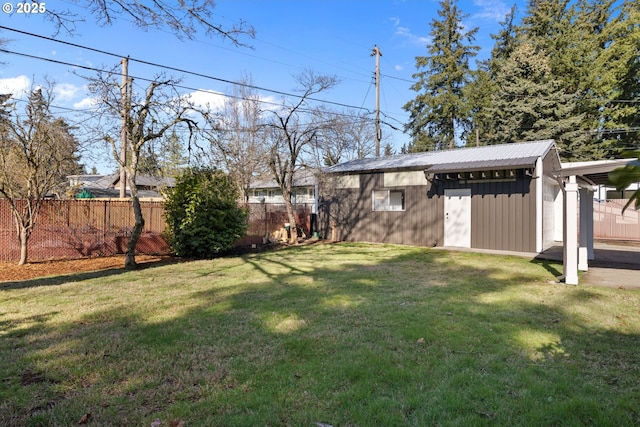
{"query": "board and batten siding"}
pixel 503 216
pixel 503 213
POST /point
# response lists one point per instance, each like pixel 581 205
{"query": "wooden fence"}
pixel 85 228
pixel 610 223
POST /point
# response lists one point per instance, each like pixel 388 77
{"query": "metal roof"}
pixel 504 156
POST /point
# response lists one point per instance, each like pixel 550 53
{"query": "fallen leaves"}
pixel 85 418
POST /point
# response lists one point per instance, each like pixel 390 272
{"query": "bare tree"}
pixel 293 129
pixel 345 136
pixel 236 134
pixel 147 118
pixel 37 151
pixel 184 17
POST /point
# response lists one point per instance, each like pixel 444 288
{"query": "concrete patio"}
pixel 616 264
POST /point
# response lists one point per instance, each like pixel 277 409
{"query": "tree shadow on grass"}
pixel 334 336
pixel 82 276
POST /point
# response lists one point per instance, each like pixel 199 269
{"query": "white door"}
pixel 457 217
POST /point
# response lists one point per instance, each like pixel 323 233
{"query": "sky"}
pixel 331 37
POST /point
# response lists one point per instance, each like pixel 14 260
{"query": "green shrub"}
pixel 202 214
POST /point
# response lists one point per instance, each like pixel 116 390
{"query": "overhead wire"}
pixel 167 67
pixel 192 89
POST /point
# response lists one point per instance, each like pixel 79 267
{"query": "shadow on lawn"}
pixel 88 275
pixel 416 338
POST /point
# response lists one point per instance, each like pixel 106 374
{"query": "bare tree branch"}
pixel 183 18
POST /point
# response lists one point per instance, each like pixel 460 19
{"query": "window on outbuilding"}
pixel 388 200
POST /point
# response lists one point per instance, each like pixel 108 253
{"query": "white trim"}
pixel 571 232
pixel 539 204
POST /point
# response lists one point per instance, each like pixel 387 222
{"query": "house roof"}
pixel 146 181
pixel 504 156
pixel 112 180
pixel 301 178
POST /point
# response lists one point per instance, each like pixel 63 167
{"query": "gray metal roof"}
pixel 519 154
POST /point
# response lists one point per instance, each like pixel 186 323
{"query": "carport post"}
pixel 571 231
pixel 586 229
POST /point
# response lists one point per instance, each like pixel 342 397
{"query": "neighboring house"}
pixel 268 191
pixel 502 197
pixel 108 186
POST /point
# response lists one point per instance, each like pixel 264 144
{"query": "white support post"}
pixel 571 232
pixel 590 252
pixel 539 204
pixel 585 206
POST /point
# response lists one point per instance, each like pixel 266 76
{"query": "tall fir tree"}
pixel 618 68
pixel 506 40
pixel 531 105
pixel 439 112
pixel 482 88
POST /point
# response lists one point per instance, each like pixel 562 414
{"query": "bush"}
pixel 202 214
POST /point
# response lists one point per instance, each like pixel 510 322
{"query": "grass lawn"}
pixel 343 335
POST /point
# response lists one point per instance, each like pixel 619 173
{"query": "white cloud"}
pixel 491 10
pixel 66 91
pixel 207 99
pixel 214 101
pixel 16 86
pixel 399 67
pixel 85 103
pixel 407 34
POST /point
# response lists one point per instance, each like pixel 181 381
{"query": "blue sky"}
pixel 330 37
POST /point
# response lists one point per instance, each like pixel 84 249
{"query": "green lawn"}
pixel 343 334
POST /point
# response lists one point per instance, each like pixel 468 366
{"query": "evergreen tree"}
pixel 173 160
pixel 481 90
pixel 505 41
pixel 618 85
pixel 532 105
pixel 439 111
pixel 479 95
pixel 545 26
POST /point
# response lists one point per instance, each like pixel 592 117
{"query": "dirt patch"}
pixel 14 272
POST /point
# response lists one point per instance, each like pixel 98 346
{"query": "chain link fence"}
pixel 82 228
pixel 69 229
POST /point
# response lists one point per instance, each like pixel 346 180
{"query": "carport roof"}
pixel 504 156
pixel 595 172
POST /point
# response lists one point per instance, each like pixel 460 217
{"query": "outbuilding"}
pixel 502 197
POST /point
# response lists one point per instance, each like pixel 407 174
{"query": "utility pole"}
pixel 124 93
pixel 377 54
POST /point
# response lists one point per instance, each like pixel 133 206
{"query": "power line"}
pixel 55 61
pixel 179 70
pixel 70 110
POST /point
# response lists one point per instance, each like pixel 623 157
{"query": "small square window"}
pixel 388 200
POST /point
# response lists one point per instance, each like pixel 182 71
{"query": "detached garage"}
pixel 501 197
